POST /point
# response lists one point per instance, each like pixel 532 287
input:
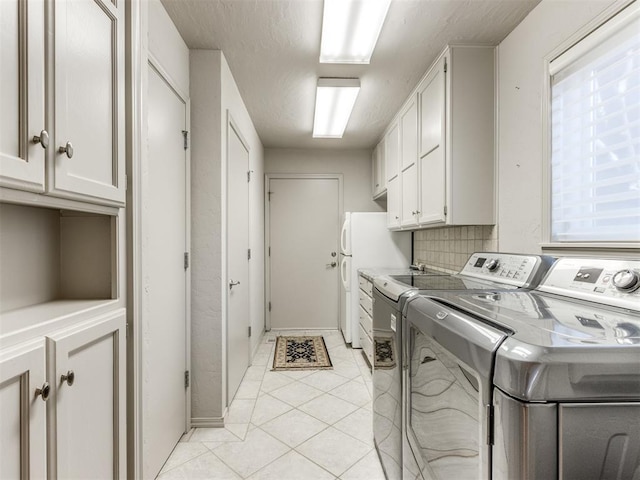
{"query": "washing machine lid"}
pixel 561 348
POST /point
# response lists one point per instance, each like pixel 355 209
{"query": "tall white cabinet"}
pixel 62 240
pixel 446 132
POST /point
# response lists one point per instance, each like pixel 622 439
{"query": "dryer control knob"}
pixel 626 280
pixel 492 264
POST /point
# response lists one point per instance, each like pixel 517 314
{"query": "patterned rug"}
pixel 301 353
pixel 384 356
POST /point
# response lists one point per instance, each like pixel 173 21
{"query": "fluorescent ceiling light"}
pixel 350 29
pixel 335 98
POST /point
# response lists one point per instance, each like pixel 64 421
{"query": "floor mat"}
pixel 301 353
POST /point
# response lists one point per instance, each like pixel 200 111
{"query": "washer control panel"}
pixel 511 269
pixel 612 282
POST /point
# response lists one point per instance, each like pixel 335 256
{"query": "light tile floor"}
pixel 289 425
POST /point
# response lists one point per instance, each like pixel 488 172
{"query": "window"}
pixel 595 136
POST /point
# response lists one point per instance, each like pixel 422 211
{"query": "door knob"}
pixel 68 149
pixel 233 284
pixel 42 139
pixel 44 391
pixel 69 377
pixel 332 264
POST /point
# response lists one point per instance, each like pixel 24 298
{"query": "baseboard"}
pixel 207 422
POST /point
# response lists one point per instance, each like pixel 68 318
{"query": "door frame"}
pixel 267 230
pixel 139 60
pixel 233 125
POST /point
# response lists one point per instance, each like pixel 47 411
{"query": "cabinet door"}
pixel 89 427
pixel 378 166
pixel 375 171
pixel 409 135
pixel 392 151
pixel 393 202
pixel 382 165
pixel 409 188
pixel 431 96
pixel 22 416
pixel 432 146
pixel 89 101
pixel 22 94
pixel 432 186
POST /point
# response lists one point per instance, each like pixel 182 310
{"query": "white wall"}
pixel 206 237
pixel 354 165
pixel 213 93
pixel 520 89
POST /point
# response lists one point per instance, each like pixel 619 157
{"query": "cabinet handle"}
pixel 42 139
pixel 69 377
pixel 332 264
pixel 44 391
pixel 68 149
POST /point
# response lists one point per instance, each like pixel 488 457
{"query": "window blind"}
pixel 595 142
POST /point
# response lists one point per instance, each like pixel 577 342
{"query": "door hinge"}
pixel 186 378
pixel 445 66
pixel 269 195
pixel 126 183
pixel 269 251
pixel 249 175
pixel 126 330
pixel 186 260
pixel 185 135
pixel 445 210
pixel 249 331
pixel 249 254
pixel 269 306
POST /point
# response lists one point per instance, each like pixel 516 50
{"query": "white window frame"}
pixel 612 19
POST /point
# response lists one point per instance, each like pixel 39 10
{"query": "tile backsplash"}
pixel 449 247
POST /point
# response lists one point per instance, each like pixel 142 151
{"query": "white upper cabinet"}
pixel 22 95
pixel 392 149
pixel 73 148
pixel 431 101
pixel 378 161
pixel 409 164
pixel 393 203
pixel 89 101
pixel 447 143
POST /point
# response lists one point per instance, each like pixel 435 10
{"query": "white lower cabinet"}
pixel 78 375
pixel 23 396
pixel 366 317
pixel 87 363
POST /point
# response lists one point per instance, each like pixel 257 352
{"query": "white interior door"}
pixel 238 260
pixel 304 231
pixel 164 321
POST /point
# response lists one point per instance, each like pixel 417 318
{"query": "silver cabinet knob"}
pixel 233 284
pixel 44 391
pixel 42 139
pixel 69 377
pixel 68 149
pixel 332 264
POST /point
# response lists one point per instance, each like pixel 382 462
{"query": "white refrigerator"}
pixel 366 242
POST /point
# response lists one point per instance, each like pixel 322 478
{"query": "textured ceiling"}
pixel 272 47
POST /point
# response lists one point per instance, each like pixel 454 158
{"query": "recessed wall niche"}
pixel 52 256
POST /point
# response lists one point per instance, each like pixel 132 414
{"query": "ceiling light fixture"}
pixel 350 29
pixel 335 98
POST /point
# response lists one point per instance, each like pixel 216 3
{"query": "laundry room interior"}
pixel 320 239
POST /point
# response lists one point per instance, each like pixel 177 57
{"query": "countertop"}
pixel 371 273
